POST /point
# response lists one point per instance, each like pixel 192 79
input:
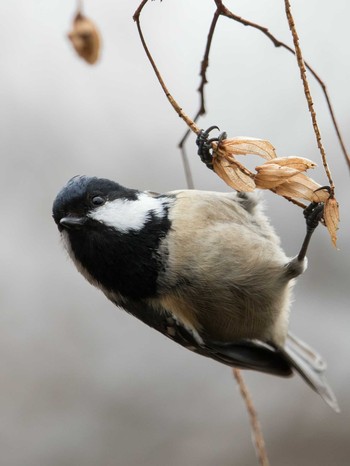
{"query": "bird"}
pixel 205 269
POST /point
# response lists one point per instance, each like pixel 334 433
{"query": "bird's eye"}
pixel 98 200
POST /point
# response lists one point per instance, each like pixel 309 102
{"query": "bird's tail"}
pixel 311 367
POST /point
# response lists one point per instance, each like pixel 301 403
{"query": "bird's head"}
pixel 112 233
pixel 86 201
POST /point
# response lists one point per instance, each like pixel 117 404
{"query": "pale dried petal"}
pixel 271 175
pixel 233 175
pixel 85 39
pixel 244 146
pixel 298 163
pixel 237 165
pixel 331 218
pixel 301 186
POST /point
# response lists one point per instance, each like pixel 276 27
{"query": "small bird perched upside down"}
pixel 205 269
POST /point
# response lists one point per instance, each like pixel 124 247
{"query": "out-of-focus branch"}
pixel 203 74
pixel 254 421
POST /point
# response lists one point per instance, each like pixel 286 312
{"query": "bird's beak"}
pixel 72 223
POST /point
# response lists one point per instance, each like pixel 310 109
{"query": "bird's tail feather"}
pixel 311 367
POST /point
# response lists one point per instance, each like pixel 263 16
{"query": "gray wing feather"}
pixel 310 366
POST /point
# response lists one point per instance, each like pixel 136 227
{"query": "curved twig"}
pixel 190 123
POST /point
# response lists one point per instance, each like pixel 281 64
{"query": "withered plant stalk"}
pixel 253 417
pixel 307 92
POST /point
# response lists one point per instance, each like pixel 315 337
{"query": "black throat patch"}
pixel 127 263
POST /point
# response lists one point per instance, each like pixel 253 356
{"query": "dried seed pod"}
pixel 275 172
pixel 233 174
pixel 331 218
pixel 230 170
pixel 283 175
pixel 298 163
pixel 85 38
pixel 245 145
pixel 271 175
pixel 301 186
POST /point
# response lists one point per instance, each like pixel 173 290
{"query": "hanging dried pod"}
pixel 245 145
pixel 301 186
pixel 283 175
pixel 233 174
pixel 331 218
pixel 271 175
pixel 230 170
pixel 85 38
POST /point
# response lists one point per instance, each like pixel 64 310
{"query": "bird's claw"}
pixel 313 214
pixel 205 147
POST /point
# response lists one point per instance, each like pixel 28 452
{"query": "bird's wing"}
pixel 245 354
pixel 249 354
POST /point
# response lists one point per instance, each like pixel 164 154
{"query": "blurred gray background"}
pixel 81 382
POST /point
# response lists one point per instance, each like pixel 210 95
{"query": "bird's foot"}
pixel 205 147
pixel 313 214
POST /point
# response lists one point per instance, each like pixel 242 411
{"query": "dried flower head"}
pixel 283 175
pixel 230 170
pixel 85 38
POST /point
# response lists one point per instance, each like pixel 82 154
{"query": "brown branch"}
pixel 254 421
pixel 307 92
pixel 277 43
pixel 290 199
pixel 190 123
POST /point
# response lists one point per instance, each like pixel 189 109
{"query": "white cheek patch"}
pixel 125 215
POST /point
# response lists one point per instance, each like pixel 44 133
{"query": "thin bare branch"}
pixel 293 201
pixel 307 92
pixel 253 417
pixel 205 63
pixel 203 74
pixel 190 123
pixel 277 43
pixel 187 168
